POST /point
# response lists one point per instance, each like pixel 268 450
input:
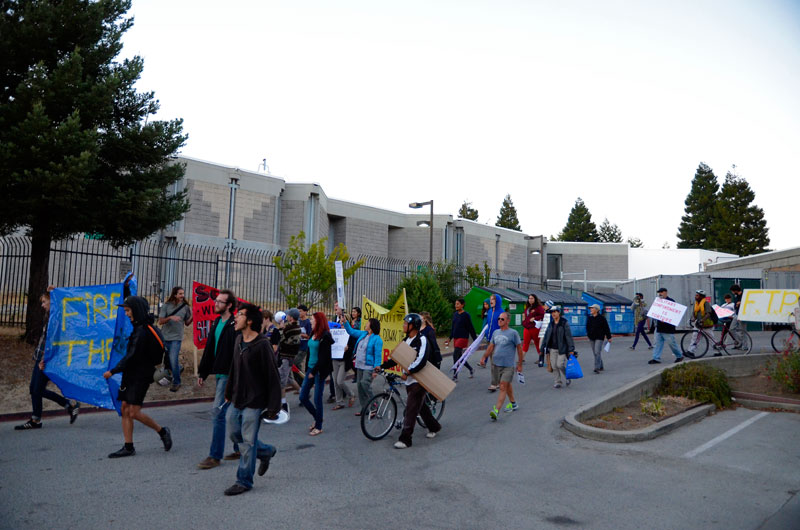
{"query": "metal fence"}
pixel 161 265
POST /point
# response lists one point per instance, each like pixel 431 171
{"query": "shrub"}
pixel 423 294
pixel 653 407
pixel 785 370
pixel 697 381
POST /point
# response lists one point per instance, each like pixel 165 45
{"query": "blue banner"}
pixel 86 336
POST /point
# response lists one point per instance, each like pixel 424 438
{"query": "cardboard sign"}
pixel 666 311
pixel 340 338
pixel 430 377
pixel 768 305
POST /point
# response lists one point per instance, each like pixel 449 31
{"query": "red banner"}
pixel 203 315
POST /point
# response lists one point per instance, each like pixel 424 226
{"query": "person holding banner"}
pixel 319 368
pixel 173 316
pixel 38 386
pixel 665 334
pixel 460 332
pixel 367 352
pixel 144 346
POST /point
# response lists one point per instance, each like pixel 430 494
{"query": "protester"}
pixel 173 316
pixel 558 342
pixel 460 332
pixel 665 333
pixel 305 332
pixel 319 368
pixel 415 402
pixel 736 326
pixel 435 354
pixel 38 386
pixel 531 323
pixel 596 331
pixel 288 350
pixel 340 386
pixel 216 360
pixel 253 385
pixel 368 353
pixel 639 320
pixel 492 316
pixel 702 319
pixel 505 342
pixel 137 374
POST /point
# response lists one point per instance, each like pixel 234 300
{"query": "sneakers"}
pixel 511 407
pixel 264 465
pixel 400 445
pixel 649 347
pixel 557 385
pixel 430 435
pixel 208 463
pixel 73 411
pixel 232 456
pixel 569 382
pixel 597 371
pixel 166 438
pixel 493 413
pixel 653 361
pixel 632 348
pixel 123 452
pixel 236 489
pixel 30 424
pixel 679 360
pixel 174 387
pixel 471 374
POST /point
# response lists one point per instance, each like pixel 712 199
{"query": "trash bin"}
pixel 574 311
pixel 617 310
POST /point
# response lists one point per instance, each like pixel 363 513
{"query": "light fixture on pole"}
pixel 417 205
pixel 539 252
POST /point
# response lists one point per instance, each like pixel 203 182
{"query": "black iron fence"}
pixel 161 265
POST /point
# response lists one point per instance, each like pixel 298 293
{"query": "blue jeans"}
pixel 173 348
pixel 319 388
pixel 243 424
pixel 218 411
pixel 39 390
pixel 669 338
pixel 640 332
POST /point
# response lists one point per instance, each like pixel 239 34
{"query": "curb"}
pixel 18 416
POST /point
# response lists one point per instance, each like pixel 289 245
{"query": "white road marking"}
pixel 724 436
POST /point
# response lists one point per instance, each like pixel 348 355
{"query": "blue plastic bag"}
pixel 573 368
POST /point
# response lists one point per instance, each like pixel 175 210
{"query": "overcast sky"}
pixel 385 103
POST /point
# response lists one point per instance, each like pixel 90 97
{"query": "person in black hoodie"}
pixel 460 332
pixel 216 360
pixel 596 330
pixel 253 385
pixel 137 374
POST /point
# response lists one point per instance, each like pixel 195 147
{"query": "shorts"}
pixel 133 393
pixel 284 370
pixel 502 373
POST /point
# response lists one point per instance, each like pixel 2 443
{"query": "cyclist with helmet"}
pixel 702 318
pixel 412 324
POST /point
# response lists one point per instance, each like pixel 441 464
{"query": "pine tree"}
pixel 695 227
pixel 739 226
pixel 466 212
pixel 580 226
pixel 609 233
pixel 635 242
pixel 508 215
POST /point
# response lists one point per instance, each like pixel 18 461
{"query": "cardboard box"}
pixel 430 377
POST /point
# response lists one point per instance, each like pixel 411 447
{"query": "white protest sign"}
pixel 339 283
pixel 340 338
pixel 666 311
pixel 768 305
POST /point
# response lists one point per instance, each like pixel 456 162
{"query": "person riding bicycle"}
pixel 702 319
pixel 412 323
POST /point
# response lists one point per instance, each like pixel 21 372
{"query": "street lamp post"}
pixel 417 205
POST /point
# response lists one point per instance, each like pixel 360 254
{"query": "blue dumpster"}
pixel 617 310
pixel 575 309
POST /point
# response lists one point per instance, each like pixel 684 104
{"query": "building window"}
pixel 554 266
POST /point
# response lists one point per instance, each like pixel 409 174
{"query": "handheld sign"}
pixel 339 282
pixel 722 312
pixel 666 311
pixel 768 305
pixel 430 377
pixel 340 338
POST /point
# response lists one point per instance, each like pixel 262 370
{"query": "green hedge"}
pixel 698 381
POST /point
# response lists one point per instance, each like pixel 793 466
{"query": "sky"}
pixel 386 103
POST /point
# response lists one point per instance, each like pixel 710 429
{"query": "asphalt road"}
pixel 523 471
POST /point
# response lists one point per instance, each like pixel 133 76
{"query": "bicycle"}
pixel 787 339
pixel 379 415
pixel 726 341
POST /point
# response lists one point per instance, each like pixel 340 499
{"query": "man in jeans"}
pixel 217 360
pixel 253 385
pixel 665 333
pixel 504 343
pixel 736 326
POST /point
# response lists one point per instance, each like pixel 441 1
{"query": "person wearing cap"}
pixel 253 385
pixel 639 320
pixel 665 334
pixel 596 331
pixel 702 319
pixel 558 342
pixel 137 374
pixel 412 323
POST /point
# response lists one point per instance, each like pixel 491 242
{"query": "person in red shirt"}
pixel 531 322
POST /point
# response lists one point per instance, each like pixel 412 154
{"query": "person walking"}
pixel 144 345
pixel 288 350
pixel 38 385
pixel 559 344
pixel 435 353
pixel 253 385
pixel 368 353
pixel 172 317
pixel 492 323
pixel 665 334
pixel 736 325
pixel 639 320
pixel 319 368
pixel 596 331
pixel 505 342
pixel 340 386
pixel 460 332
pixel 531 323
pixel 216 360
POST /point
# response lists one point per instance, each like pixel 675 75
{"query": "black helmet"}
pixel 413 320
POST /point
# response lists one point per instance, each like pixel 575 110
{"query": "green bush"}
pixel 785 370
pixel 697 381
pixel 424 294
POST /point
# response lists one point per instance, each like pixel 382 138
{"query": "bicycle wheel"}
pixel 746 342
pixel 785 340
pixel 378 416
pixel 702 345
pixel 436 406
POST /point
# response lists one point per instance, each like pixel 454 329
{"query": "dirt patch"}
pixel 630 417
pixel 760 384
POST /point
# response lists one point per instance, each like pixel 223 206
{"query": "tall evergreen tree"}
pixel 695 227
pixel 77 152
pixel 609 233
pixel 635 242
pixel 739 226
pixel 467 212
pixel 580 226
pixel 508 215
